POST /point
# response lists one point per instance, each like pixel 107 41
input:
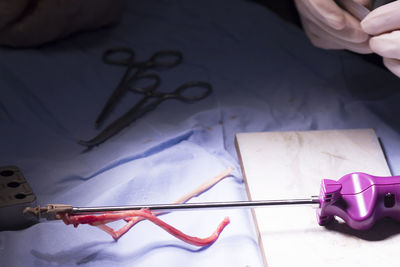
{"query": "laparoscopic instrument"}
pixel 359 199
pixel 136 79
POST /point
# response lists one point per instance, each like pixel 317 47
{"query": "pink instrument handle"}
pixel 359 199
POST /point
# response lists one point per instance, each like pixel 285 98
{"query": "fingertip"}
pixel 369 24
pixel 393 65
pixel 374 44
pixel 386 45
pixel 382 19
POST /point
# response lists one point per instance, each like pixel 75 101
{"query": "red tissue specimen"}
pixel 134 216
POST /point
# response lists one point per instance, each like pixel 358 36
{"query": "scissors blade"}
pixel 123 121
pixel 112 101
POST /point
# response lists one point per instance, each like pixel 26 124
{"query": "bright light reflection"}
pixel 359 197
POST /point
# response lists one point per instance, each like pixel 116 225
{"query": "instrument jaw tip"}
pixel 49 212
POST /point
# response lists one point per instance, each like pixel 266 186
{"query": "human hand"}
pixel 30 23
pixel 383 24
pixel 330 27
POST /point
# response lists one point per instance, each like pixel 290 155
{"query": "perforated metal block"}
pixel 15 195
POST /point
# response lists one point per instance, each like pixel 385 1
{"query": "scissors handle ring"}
pixel 147 90
pixel 181 92
pixel 171 58
pixel 123 56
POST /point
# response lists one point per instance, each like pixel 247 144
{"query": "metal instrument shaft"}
pixel 203 205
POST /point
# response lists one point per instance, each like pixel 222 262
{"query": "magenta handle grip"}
pixel 359 199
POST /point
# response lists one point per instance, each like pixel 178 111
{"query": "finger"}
pixel 326 11
pixel 386 45
pixel 316 40
pixel 393 65
pixel 352 32
pixel 382 19
pixel 323 39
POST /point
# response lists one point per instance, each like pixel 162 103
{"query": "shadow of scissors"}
pixel 125 56
pixel 187 92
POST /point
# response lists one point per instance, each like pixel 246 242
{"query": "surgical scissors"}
pixel 125 56
pixel 187 92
